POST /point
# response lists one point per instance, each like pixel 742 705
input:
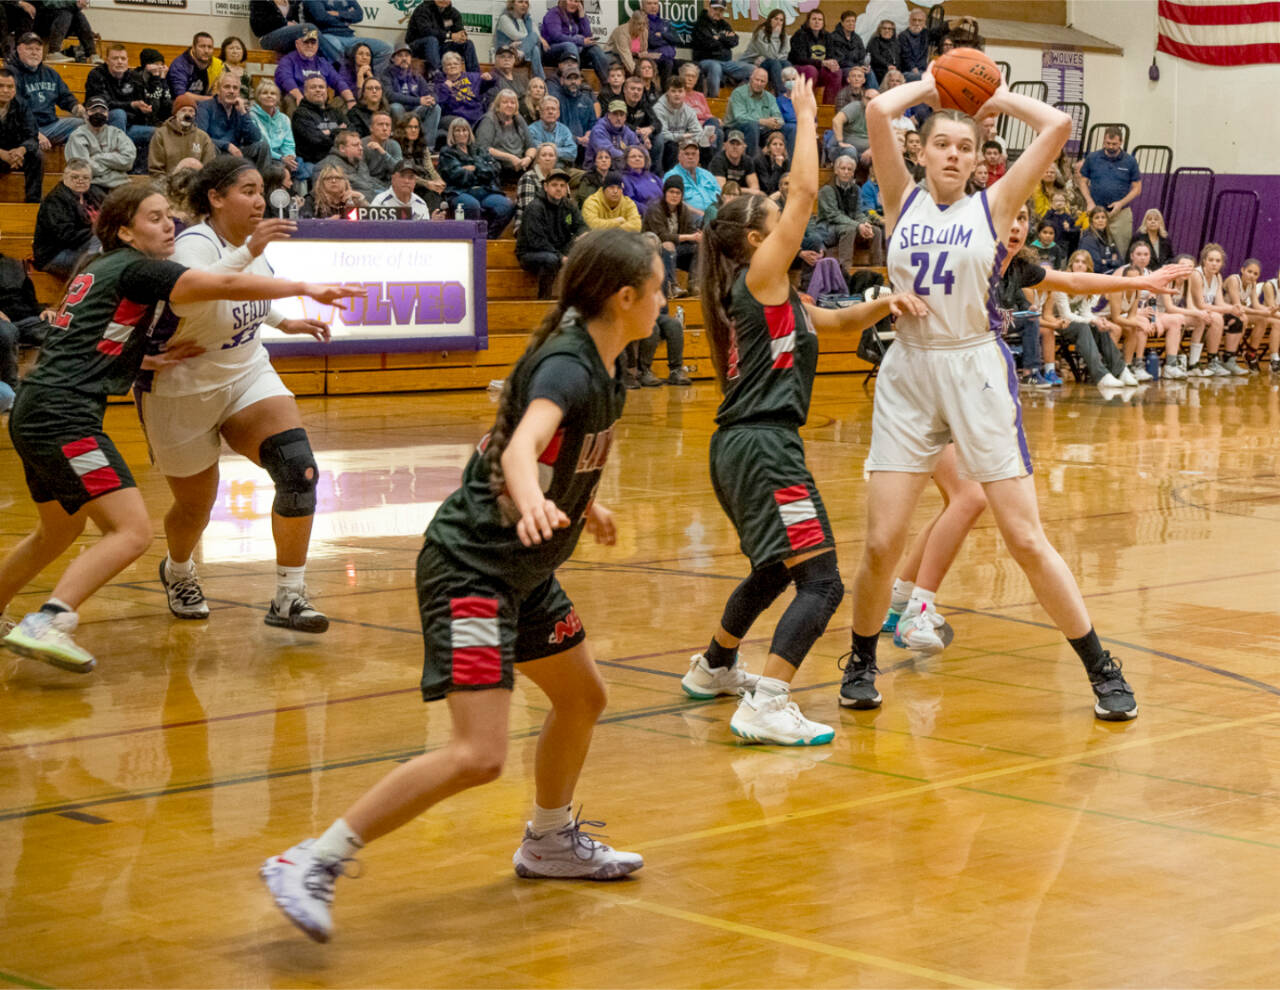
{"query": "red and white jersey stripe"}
pixel 799 516
pixel 476 640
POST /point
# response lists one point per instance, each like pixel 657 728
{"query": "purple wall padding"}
pixel 1184 224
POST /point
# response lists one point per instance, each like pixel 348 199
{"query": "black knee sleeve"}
pixel 819 592
pixel 286 457
pixel 755 594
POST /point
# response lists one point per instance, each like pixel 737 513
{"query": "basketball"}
pixel 966 79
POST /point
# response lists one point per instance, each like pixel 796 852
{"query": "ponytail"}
pixel 725 251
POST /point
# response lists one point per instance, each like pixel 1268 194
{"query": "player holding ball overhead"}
pixel 951 377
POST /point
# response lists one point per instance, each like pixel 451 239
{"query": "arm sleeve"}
pixel 562 380
pixel 148 281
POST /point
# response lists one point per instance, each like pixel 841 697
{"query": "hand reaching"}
pixel 905 304
pixel 313 328
pixel 539 522
pixel 171 355
pixel 268 231
pixel 601 526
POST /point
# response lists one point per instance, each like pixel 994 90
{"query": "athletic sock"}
pixel 289 579
pixel 901 594
pixel 864 647
pixel 178 570
pixel 338 842
pixel 720 656
pixel 1193 355
pixel 771 687
pixel 1049 367
pixel 1088 649
pixel 56 605
pixel 922 597
pixel 550 819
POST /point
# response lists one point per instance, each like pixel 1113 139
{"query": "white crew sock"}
pixel 290 579
pixel 1193 356
pixel 771 687
pixel 1049 367
pixel 550 819
pixel 178 570
pixel 337 843
pixel 920 597
pixel 901 594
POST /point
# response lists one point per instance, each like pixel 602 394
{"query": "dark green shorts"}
pixel 475 628
pixel 65 455
pixel 764 487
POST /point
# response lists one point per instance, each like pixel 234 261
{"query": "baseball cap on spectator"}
pixel 150 56
pixel 612 179
pixel 183 101
pixel 505 50
pixel 734 136
pixel 617 106
pixel 406 166
pixel 310 34
pixel 557 173
pixel 570 71
pixel 568 57
pixel 96 101
pixel 402 47
pixel 689 142
pixel 30 38
pixel 717 3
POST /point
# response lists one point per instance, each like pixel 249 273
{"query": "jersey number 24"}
pixel 941 276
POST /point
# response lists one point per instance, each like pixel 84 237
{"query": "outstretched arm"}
pixel 865 314
pixel 198 286
pixel 1087 283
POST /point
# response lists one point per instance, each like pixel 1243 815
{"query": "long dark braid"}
pixel 600 263
pixel 725 250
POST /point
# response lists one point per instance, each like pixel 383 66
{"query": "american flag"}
pixel 1220 32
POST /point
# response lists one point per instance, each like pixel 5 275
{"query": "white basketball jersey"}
pixel 1212 289
pixel 950 258
pixel 227 330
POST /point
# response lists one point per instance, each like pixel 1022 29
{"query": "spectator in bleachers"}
pixel 912 152
pixel 754 111
pixel 882 49
pixel 515 27
pixel 611 132
pixel 1047 247
pixel 848 134
pixel 190 71
pixel 435 28
pixel 234 58
pixel 56 19
pixel 459 93
pixel 696 100
pixel 994 159
pixel 23 322
pixel 549 226
pixel 371 101
pixel 567 31
pixel 531 102
pixel 913 46
pixel 855 86
pixel 121 88
pixel 334 19
pixel 64 222
pixel 1049 184
pixel 769 47
pixel 504 73
pixel 840 210
pixel 811 54
pixel 978 180
pixel 305 61
pixel 714 40
pixel 348 155
pixel 1088 330
pixel 733 163
pixel 611 89
pixel 409 92
pixel 663 40
pixel 700 187
pixel 472 178
pixel 1098 242
pixel 179 139
pixel 1110 178
pixel 277 24
pixel 1154 235
pixel 356 67
pixel 642 119
pixel 548 128
pixel 401 192
pixel 530 184
pixel 156 102
pixel 772 163
pixel 503 133
pixel 231 129
pixel 577 104
pixel 679 122
pixel 382 152
pixel 19 139
pixel 593 178
pixel 677 228
pixel 315 123
pixel 43 91
pixel 1063 219
pixel 639 183
pixel 408 134
pixel 108 149
pixel 647 72
pixel 847 46
pixel 331 195
pixel 17 17
pixel 609 206
pixel 277 129
pixel 629 41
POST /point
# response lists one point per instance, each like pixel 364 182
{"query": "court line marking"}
pixel 22 981
pixel 780 938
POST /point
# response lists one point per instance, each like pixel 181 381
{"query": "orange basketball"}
pixel 966 79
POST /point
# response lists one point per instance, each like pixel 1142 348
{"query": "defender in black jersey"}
pixel 488 594
pixel 765 347
pixel 73 470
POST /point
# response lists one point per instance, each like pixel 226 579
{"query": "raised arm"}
pixel 1052 127
pixel 197 286
pixel 891 171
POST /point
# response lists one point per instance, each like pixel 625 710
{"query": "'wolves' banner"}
pixel 1220 32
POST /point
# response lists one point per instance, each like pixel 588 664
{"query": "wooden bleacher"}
pixel 512 309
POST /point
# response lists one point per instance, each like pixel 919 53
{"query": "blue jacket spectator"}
pixel 913 46
pixel 700 187
pixel 544 131
pixel 568 31
pixel 232 130
pixel 18 130
pixel 403 87
pixel 577 104
pixel 1112 180
pixel 293 69
pixel 334 19
pixel 461 94
pixel 43 91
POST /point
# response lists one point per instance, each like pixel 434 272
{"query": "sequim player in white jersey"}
pixel 950 377
pixel 226 388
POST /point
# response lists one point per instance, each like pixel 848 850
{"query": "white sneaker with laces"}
pixel 776 720
pixel 572 852
pixel 302 886
pixel 1235 368
pixel 1141 373
pixel 46 637
pixel 186 599
pixel 918 630
pixel 1109 381
pixel 704 681
pixel 1217 368
pixel 1126 378
pixel 292 610
pixel 1173 371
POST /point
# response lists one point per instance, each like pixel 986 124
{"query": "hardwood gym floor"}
pixel 981 829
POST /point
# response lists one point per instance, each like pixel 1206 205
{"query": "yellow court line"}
pixel 793 941
pixel 972 778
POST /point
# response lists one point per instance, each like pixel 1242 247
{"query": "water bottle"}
pixel 680 316
pixel 458 213
pixel 1153 365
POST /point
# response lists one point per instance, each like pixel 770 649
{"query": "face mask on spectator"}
pixel 790 84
